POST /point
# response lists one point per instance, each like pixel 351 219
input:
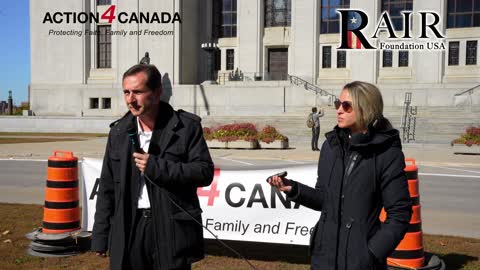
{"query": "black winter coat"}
pixel 356 178
pixel 179 163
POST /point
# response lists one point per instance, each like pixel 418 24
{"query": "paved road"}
pixel 448 195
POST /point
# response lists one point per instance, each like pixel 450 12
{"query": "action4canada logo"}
pixel 353 32
pixel 110 16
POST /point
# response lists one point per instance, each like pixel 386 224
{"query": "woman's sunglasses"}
pixel 346 105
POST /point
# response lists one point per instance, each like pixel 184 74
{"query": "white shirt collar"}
pixel 140 129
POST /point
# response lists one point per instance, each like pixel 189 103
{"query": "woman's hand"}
pixel 279 183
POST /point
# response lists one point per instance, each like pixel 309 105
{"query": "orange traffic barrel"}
pixel 61 212
pixel 409 253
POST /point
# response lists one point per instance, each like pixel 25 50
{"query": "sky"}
pixel 15 50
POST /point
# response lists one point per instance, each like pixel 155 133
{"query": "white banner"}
pixel 238 205
pixel 91 168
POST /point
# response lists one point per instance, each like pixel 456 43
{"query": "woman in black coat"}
pixel 361 170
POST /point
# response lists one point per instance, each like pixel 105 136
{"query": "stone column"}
pixel 431 61
pixel 248 23
pixel 303 51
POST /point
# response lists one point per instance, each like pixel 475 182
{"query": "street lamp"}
pixel 210 48
pixel 10 103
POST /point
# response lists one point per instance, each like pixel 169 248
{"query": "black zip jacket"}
pixel 357 176
pixel 179 162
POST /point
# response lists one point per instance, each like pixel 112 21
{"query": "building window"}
pixel 216 19
pixel 93 103
pixel 330 19
pixel 104 47
pixel 104 2
pixel 471 52
pixel 463 13
pixel 453 52
pixel 341 59
pixel 394 8
pixel 326 56
pixel 106 103
pixel 403 58
pixel 230 59
pixel 228 23
pixel 387 59
pixel 277 13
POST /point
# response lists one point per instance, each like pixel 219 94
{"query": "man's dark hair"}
pixel 314 109
pixel 154 78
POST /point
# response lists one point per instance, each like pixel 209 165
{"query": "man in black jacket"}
pixel 361 170
pixel 138 217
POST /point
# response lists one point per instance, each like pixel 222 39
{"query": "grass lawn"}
pixel 19 219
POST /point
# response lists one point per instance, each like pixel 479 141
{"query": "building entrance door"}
pixel 278 64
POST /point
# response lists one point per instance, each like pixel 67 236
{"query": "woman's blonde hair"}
pixel 367 102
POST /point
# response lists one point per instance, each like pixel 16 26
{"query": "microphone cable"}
pixel 132 134
pixel 196 221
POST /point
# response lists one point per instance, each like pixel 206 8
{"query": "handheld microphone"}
pixel 132 135
pixel 282 175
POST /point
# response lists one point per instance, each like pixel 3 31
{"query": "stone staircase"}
pixel 435 125
pixel 442 124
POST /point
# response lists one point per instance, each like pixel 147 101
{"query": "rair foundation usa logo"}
pixel 354 34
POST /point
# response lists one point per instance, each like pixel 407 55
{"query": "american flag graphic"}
pixel 354 22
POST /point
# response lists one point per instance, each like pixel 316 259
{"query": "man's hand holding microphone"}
pixel 140 157
pixel 141 160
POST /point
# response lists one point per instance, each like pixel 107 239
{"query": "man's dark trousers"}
pixel 315 136
pixel 142 249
